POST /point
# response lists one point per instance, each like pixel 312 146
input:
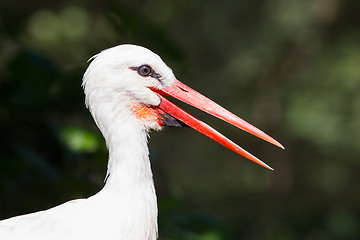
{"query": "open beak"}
pixel 188 95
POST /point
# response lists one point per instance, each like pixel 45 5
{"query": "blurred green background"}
pixel 291 68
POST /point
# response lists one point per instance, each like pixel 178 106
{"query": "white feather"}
pixel 126 207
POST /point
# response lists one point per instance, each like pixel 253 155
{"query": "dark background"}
pixel 291 68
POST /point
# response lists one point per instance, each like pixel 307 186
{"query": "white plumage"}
pixel 127 203
pixel 117 92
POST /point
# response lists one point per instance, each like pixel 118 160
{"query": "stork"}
pixel 125 90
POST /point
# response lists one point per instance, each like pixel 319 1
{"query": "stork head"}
pixel 136 80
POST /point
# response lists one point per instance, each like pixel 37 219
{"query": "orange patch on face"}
pixel 145 113
pixel 153 114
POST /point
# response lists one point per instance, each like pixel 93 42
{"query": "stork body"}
pixel 124 88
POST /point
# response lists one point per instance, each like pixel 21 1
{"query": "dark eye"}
pixel 145 70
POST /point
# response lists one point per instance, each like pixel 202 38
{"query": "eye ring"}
pixel 145 70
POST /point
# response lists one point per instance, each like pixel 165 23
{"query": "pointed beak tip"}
pixel 266 166
pixel 273 141
pixel 280 146
pixel 258 161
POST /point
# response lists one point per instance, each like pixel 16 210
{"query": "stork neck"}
pixel 129 163
pixel 129 184
pixel 125 138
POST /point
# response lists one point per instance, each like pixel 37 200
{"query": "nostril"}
pixel 183 89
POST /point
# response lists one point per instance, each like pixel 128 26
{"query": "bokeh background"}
pixel 291 68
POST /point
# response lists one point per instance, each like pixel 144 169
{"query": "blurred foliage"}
pixel 289 67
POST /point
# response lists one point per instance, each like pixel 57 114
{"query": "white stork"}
pixel 125 88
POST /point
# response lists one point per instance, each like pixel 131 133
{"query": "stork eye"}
pixel 145 70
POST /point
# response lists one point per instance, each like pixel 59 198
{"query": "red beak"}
pixel 192 97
